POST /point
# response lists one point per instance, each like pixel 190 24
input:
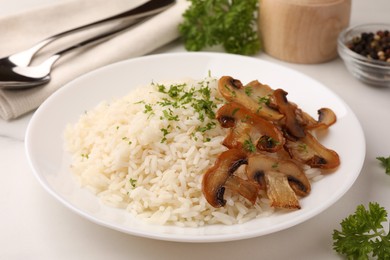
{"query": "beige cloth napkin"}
pixel 24 29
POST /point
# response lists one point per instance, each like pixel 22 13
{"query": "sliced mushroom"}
pixel 258 89
pixel 288 109
pixel 310 151
pixel 264 120
pixel 249 131
pixel 283 180
pixel 221 176
pixel 250 96
pixel 247 189
pixel 279 191
pixel 326 118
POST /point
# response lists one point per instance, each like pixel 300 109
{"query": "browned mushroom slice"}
pixel 288 109
pixel 221 176
pixel 283 180
pixel 311 152
pixel 251 98
pixel 249 131
pixel 247 189
pixel 258 89
pixel 326 118
pixel 259 164
pixel 279 191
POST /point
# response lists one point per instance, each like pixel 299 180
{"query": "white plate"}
pixel 49 161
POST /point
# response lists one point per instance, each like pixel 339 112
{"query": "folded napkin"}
pixel 25 29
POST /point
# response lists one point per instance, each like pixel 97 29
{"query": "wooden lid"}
pixel 312 2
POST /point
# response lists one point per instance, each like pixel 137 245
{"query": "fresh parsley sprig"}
pixel 385 163
pixel 231 24
pixel 362 234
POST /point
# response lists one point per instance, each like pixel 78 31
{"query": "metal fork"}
pixel 15 72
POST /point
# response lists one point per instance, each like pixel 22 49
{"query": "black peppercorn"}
pixel 372 45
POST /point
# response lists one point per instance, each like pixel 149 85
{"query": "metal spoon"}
pixel 16 74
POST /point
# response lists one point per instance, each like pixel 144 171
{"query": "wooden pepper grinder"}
pixel 302 31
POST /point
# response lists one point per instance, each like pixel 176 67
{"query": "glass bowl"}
pixel 366 69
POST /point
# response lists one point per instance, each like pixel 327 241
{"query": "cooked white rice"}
pixel 135 156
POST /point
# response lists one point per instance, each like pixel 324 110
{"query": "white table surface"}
pixel 33 225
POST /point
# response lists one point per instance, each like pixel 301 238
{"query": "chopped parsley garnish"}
pixel 84 155
pixel 161 88
pixel 264 100
pixel 204 107
pixel 165 132
pixel 184 96
pixel 148 109
pixel 303 147
pixel 258 109
pixel 133 182
pixel 168 114
pixel 235 111
pixel 246 119
pixel 175 90
pixel 205 91
pixel 268 141
pixel 187 97
pixel 231 91
pixel 208 126
pixel 167 102
pixel 249 146
pixel 248 91
pixel 127 140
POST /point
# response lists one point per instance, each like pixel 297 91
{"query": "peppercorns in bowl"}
pixel 365 50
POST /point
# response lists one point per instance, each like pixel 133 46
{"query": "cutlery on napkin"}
pixel 26 28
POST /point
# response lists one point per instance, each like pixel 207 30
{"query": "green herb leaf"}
pixel 165 132
pixel 302 147
pixel 362 234
pixel 208 126
pixel 148 109
pixel 84 155
pixel 235 111
pixel 264 100
pixel 385 163
pixel 249 146
pixel 248 91
pixel 161 88
pixel 133 182
pixel 182 96
pixel 232 92
pixel 231 24
pixel 168 114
